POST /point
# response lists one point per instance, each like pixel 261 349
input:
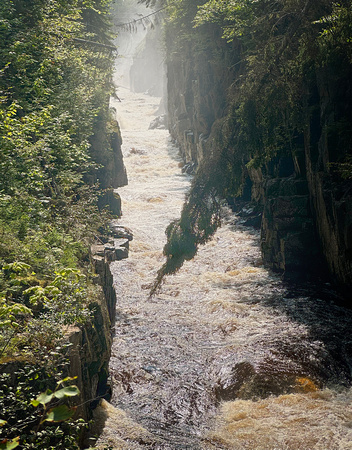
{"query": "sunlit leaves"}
pixel 9 312
pixel 53 412
pixel 67 391
pixel 336 34
pixel 43 398
pixel 9 444
pixel 27 419
pixel 16 268
pixel 59 414
pixel 235 16
pixel 52 88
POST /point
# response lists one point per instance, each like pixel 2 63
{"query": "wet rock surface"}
pixel 289 242
pixel 115 248
pixel 159 123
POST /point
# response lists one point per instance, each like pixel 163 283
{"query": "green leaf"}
pixel 52 290
pixel 66 379
pixel 44 397
pixel 18 308
pixel 68 391
pixel 7 444
pixel 60 413
pixel 18 267
pixel 2 422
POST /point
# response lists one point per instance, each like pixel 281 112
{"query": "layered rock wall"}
pixel 91 343
pixel 110 173
pixel 197 95
pixel 147 72
pixel 307 208
pixel 326 140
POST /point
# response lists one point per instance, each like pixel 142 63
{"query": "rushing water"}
pixel 226 355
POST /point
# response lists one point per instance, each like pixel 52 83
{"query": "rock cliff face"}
pixel 106 151
pixel 197 97
pixel 89 357
pixel 91 343
pixel 307 208
pixel 288 240
pixel 331 197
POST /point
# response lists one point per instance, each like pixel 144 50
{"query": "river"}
pixel 226 355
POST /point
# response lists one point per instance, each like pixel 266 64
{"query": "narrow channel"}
pixel 226 356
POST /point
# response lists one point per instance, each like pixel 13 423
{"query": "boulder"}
pixel 159 123
pixel 119 231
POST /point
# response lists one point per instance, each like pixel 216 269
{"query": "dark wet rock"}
pixel 111 251
pixel 189 168
pixel 263 385
pixel 122 242
pixel 111 200
pixel 149 369
pixel 102 254
pixel 119 231
pixel 289 243
pixel 230 382
pixel 137 151
pixel 159 123
pixel 120 253
pixel 246 382
pixel 249 215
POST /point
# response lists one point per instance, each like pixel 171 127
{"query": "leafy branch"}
pixel 51 412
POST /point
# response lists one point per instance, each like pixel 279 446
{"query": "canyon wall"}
pixel 305 203
pixel 91 343
pixel 90 350
pixel 110 173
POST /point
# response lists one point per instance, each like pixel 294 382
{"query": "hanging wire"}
pixel 132 25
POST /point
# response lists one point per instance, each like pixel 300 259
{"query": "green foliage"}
pixel 38 421
pixel 42 309
pixel 236 17
pixel 54 84
pixel 9 311
pixel 52 412
pixel 52 88
pixel 9 444
pixel 335 40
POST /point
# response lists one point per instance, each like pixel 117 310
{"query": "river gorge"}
pixel 226 355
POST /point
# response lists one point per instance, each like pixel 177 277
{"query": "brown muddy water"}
pixel 226 356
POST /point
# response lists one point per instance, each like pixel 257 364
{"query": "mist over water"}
pixel 127 40
pixel 140 64
pixel 226 356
